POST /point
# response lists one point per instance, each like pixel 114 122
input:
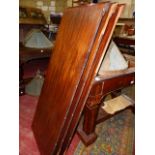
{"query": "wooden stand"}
pixel 92 113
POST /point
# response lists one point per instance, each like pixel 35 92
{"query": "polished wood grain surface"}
pixel 92 67
pixel 83 85
pixel 73 45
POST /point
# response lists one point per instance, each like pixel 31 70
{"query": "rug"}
pixel 115 137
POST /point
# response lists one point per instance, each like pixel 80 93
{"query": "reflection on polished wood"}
pixel 82 40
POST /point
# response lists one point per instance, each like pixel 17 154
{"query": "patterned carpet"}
pixel 116 137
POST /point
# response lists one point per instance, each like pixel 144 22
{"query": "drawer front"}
pixel 118 83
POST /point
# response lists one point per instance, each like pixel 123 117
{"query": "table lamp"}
pixel 36 39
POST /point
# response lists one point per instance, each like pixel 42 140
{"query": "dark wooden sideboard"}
pixel 102 86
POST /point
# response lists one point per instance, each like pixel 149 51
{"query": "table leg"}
pixel 86 128
pixel 90 113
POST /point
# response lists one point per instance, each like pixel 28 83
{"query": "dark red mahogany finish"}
pixel 73 45
pixel 93 115
pixel 74 62
pixel 105 32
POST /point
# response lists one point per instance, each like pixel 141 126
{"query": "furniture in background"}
pixel 94 113
pixel 55 19
pixel 28 15
pixel 35 46
pixel 124 35
pixel 30 18
pixel 26 55
pixel 126 44
pixel 116 73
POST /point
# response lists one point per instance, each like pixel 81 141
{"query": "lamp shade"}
pixel 35 85
pixel 113 60
pixel 36 39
